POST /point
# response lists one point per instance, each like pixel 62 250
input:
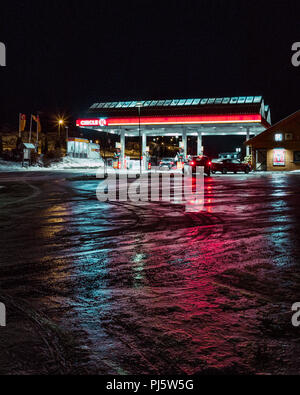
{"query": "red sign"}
pixel 279 157
pixel 85 123
pixel 181 120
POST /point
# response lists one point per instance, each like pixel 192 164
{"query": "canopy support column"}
pixel 144 148
pixel 184 141
pixel 123 148
pixel 144 143
pixel 248 138
pixel 200 144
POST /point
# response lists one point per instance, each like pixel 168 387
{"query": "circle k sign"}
pixel 91 122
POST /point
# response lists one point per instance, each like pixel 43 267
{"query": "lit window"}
pixel 278 137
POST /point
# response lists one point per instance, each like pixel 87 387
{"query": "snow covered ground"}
pixel 70 164
pixel 9 166
pixel 75 163
pixel 65 164
pixel 81 164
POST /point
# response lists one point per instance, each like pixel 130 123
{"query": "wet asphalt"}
pixel 130 288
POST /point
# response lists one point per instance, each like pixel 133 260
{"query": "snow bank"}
pixel 65 164
pixel 75 163
pixel 10 166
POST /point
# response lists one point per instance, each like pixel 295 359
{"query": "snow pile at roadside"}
pixel 10 166
pixel 76 163
pixel 66 163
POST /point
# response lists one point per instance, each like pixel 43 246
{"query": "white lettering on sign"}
pixel 91 122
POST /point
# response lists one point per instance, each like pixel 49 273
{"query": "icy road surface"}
pixel 122 288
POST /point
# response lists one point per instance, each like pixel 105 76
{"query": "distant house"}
pixel 82 148
pixel 278 148
pixel 28 149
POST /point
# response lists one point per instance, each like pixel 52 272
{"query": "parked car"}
pixel 167 163
pixel 225 166
pixel 200 161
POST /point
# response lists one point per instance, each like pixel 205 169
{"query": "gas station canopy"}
pixel 217 116
pixel 248 116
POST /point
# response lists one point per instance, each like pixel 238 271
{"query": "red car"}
pixel 200 161
pixel 230 165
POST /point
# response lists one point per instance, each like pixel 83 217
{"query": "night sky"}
pixel 62 56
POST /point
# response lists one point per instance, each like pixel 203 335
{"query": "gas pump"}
pixel 117 157
pixel 180 158
pixel 147 159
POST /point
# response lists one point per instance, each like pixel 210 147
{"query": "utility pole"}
pixel 37 133
pixel 20 125
pixel 139 105
pixel 30 130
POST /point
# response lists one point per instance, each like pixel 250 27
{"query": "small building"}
pixel 278 148
pixel 28 150
pixel 82 148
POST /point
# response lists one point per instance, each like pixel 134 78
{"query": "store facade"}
pixel 277 148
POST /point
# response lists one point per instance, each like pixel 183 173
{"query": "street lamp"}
pixel 139 105
pixel 60 123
